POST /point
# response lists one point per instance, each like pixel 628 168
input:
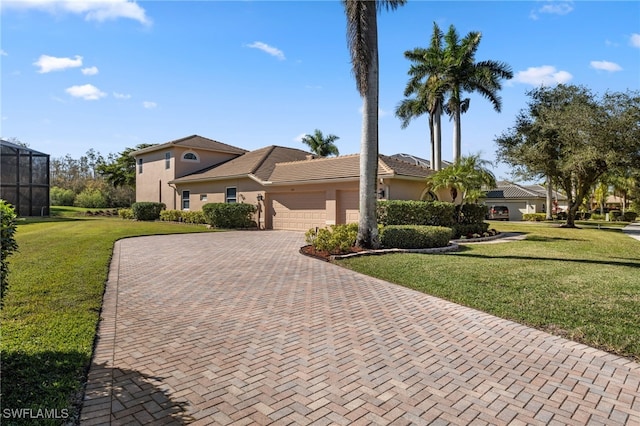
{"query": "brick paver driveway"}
pixel 238 328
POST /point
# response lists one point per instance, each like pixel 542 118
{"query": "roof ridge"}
pixel 270 149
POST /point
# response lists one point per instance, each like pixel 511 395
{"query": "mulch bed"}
pixel 323 254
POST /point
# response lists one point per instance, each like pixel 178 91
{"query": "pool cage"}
pixel 24 179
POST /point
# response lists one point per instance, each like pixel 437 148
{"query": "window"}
pixel 231 196
pixel 190 156
pixel 203 197
pixel 167 160
pixel 139 165
pixel 185 200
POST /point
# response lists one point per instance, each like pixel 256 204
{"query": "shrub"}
pixel 472 213
pixel 398 212
pixel 61 197
pixel 90 198
pixel 146 210
pixel 534 217
pixel 229 215
pixel 598 216
pixel 615 215
pixel 629 216
pixel 126 213
pixel 468 229
pixel 335 239
pixel 196 217
pixel 415 236
pixel 8 244
pixel 171 215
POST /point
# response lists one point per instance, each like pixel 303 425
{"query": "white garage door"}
pixel 298 211
pixel 348 206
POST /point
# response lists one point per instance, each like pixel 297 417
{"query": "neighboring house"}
pixel 522 199
pixel 24 179
pixel 291 188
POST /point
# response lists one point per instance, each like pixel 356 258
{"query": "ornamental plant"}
pixel 8 244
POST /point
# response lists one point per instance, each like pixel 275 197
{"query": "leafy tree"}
pixel 121 170
pixel 321 145
pixel 429 88
pixel 362 39
pixel 575 138
pixel 464 74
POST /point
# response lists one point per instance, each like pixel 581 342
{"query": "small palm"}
pixel 321 145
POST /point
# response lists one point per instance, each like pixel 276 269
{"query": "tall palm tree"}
pixel 465 75
pixel 429 88
pixel 362 39
pixel 321 145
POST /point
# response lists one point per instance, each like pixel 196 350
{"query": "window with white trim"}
pixel 139 165
pixel 185 200
pixel 190 156
pixel 231 195
pixel 203 197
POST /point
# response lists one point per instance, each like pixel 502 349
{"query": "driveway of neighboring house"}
pixel 633 230
pixel 239 328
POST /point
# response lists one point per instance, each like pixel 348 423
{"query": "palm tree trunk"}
pixel 433 141
pixel 437 139
pixel 457 136
pixel 367 224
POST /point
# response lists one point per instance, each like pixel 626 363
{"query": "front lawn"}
pixel 583 284
pixel 51 309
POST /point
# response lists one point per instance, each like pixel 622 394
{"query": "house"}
pixel 24 179
pixel 291 188
pixel 522 199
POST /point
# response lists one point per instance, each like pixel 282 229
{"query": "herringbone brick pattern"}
pixel 238 328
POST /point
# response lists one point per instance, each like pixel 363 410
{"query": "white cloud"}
pixel 51 63
pixel 92 10
pixel 299 137
pixel 3 52
pixel 149 104
pixel 605 66
pixel 273 51
pixel 635 40
pixel 545 75
pixel 90 71
pixel 88 92
pixel 551 7
pixel 121 95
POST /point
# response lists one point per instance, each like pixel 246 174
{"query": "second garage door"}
pixel 298 211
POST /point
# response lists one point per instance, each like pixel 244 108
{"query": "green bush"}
pixel 472 213
pixel 146 210
pixel 8 244
pixel 90 198
pixel 398 212
pixel 534 217
pixel 468 229
pixel 171 215
pixel 61 197
pixel 415 236
pixel 615 215
pixel 196 217
pixel 229 215
pixel 336 239
pixel 126 213
pixel 598 216
pixel 629 216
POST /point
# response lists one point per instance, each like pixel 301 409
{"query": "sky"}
pixel 111 74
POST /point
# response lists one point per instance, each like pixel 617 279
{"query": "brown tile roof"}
pixel 195 141
pixel 510 190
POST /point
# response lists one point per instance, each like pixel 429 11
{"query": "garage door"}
pixel 348 206
pixel 298 211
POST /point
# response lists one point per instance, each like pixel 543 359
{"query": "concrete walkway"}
pixel 632 230
pixel 238 328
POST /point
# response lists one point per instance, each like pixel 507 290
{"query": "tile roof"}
pixel 194 141
pixel 510 190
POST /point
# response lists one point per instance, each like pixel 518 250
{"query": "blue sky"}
pixel 111 74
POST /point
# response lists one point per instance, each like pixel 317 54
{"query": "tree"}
pixel 429 88
pixel 467 176
pixel 121 170
pixel 465 75
pixel 321 145
pixel 362 39
pixel 575 138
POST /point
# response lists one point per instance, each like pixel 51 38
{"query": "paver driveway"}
pixel 238 328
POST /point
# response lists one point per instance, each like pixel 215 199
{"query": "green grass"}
pixel 583 284
pixel 51 310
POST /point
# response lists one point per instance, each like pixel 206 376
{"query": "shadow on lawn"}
pixel 591 261
pixel 46 388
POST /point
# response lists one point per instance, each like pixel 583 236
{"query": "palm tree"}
pixel 321 145
pixel 466 176
pixel 362 39
pixel 429 87
pixel 465 75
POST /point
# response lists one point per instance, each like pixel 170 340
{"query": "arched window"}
pixel 429 196
pixel 190 156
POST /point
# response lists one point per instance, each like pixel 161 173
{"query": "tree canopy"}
pixel 320 144
pixel 574 137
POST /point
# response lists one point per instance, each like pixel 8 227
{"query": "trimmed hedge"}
pixel 467 229
pixel 629 216
pixel 472 213
pixel 398 212
pixel 415 236
pixel 125 213
pixel 534 217
pixel 171 215
pixel 146 210
pixel 229 215
pixel 336 239
pixel 196 217
pixel 8 244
